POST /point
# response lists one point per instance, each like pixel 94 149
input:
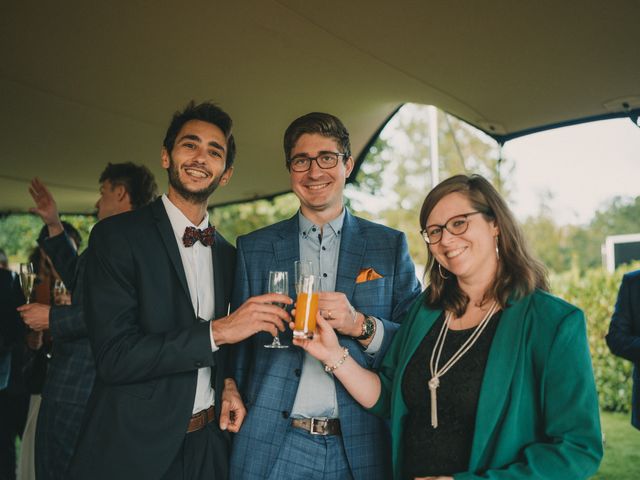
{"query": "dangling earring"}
pixel 497 249
pixel 444 277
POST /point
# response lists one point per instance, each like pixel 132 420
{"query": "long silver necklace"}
pixel 436 373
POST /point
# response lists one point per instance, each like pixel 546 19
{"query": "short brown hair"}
pixel 137 180
pixel 323 124
pixel 519 273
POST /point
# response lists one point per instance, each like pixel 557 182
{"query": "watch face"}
pixel 367 328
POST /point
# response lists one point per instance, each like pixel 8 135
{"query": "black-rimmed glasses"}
pixel 324 160
pixel 455 226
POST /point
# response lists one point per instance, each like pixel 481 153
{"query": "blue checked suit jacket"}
pixel 268 378
pixel 71 371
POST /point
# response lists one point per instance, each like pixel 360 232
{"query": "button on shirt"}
pixel 198 268
pixel 316 395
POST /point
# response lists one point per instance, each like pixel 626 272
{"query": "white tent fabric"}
pixel 86 83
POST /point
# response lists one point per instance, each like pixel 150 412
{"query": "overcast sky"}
pixel 582 166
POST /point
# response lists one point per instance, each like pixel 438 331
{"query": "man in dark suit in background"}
pixel 156 278
pixel 624 334
pixel 71 370
pixel 14 397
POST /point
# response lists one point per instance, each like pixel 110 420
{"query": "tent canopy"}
pixel 86 83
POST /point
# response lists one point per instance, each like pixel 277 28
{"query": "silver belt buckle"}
pixel 316 422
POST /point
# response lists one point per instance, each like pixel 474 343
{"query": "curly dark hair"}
pixel 323 124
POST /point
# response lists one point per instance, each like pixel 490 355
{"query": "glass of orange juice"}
pixel 306 307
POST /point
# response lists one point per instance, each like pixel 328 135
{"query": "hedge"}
pixel 595 292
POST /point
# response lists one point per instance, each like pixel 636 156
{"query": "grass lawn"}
pixel 621 450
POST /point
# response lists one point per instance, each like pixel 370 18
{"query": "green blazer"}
pixel 537 412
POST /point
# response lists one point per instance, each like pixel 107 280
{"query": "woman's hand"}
pixel 324 346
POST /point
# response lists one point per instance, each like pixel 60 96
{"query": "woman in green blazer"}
pixel 489 376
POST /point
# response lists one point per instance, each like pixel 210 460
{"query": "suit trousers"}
pixel 56 437
pixel 203 455
pixel 304 456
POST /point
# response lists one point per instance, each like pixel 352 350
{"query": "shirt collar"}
pixel 306 226
pixel 179 222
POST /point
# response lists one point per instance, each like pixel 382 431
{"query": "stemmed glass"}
pixel 27 280
pixel 278 283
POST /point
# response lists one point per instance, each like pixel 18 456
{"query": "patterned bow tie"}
pixel 192 235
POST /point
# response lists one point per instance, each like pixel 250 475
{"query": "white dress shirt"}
pixel 198 268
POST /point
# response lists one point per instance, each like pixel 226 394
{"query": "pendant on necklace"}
pixel 434 383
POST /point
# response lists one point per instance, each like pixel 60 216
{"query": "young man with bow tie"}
pixel 158 287
pixel 301 424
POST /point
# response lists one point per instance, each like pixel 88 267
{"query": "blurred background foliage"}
pixel 595 291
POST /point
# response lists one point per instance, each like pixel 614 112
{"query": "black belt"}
pixel 318 426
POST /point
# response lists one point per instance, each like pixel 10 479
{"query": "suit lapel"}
pixel 220 268
pixel 286 250
pixel 168 238
pixel 352 248
pixel 498 375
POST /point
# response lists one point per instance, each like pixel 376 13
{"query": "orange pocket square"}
pixel 367 274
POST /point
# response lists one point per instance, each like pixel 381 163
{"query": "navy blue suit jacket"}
pixel 148 345
pixel 12 332
pixel 624 334
pixel 268 379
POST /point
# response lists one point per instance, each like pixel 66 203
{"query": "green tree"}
pixel 578 247
pixel 238 219
pixel 396 174
pixel 19 232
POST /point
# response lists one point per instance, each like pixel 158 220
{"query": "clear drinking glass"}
pixel 306 307
pixel 278 283
pixel 302 269
pixel 27 280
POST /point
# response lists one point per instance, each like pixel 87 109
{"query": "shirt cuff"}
pixel 376 342
pixel 214 347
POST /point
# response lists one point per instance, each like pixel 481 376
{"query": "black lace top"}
pixel 444 450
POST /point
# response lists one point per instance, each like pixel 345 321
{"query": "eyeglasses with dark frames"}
pixel 457 225
pixel 324 160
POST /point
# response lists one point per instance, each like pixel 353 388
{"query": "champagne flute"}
pixel 278 283
pixel 303 269
pixel 27 280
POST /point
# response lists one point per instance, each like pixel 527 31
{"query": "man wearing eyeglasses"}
pixel 300 423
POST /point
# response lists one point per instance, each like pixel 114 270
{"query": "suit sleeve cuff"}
pixel 376 342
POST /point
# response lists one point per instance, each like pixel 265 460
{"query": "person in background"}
pixel 489 376
pixel 37 354
pixel 71 370
pixel 623 338
pixel 14 398
pixel 301 423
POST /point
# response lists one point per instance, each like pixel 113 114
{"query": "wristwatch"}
pixel 368 328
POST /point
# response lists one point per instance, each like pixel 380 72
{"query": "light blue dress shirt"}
pixel 316 395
